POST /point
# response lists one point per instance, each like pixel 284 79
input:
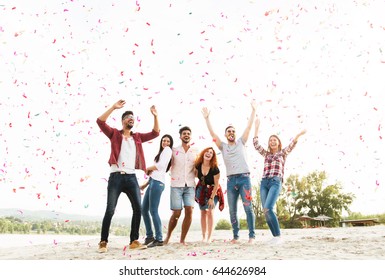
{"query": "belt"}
pixel 238 175
pixel 121 173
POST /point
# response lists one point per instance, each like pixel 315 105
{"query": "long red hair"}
pixel 213 161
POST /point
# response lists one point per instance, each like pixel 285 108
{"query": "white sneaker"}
pixel 276 241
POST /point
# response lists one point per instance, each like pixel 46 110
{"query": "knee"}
pixel 232 210
pixel 110 211
pixel 154 212
pixel 176 214
pixel 267 212
pixel 188 210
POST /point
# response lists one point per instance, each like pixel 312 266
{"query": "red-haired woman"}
pixel 208 191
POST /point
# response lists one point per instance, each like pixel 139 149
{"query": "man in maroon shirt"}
pixel 126 156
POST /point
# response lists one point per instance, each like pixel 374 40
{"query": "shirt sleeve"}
pixel 144 137
pixel 164 159
pixel 289 148
pixel 216 171
pixel 258 147
pixel 105 128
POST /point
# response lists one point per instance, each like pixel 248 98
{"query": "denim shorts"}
pixel 198 191
pixel 182 196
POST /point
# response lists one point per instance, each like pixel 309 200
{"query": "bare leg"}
pixel 210 224
pixel 188 211
pixel 172 224
pixel 203 224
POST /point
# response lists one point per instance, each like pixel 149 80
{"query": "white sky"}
pixel 309 64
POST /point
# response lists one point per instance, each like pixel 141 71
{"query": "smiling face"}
pixel 208 155
pixel 128 121
pixel 230 134
pixel 166 142
pixel 274 144
pixel 185 136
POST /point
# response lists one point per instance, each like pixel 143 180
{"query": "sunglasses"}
pixel 131 117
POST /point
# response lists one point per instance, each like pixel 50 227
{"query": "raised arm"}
pixel 257 123
pixel 299 135
pixel 206 115
pixel 117 105
pixel 154 112
pixel 246 133
pixel 256 144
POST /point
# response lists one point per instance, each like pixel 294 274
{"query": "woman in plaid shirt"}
pixel 272 177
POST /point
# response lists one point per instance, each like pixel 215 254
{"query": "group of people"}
pixel 195 179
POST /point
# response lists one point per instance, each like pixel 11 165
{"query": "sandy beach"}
pixel 351 243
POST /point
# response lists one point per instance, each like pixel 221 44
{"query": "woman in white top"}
pixel 156 183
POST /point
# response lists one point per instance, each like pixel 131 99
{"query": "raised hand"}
pixel 153 110
pixel 253 105
pixel 205 112
pixel 120 104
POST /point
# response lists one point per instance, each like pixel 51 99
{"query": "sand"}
pixel 350 243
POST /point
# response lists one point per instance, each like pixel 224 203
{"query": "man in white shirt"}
pixel 182 192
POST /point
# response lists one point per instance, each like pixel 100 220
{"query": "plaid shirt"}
pixel 274 163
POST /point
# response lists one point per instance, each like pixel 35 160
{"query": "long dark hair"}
pixel 161 149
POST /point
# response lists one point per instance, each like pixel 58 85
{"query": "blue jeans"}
pixel 128 184
pixel 150 205
pixel 270 190
pixel 240 185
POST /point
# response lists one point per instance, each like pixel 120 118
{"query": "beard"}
pixel 129 126
pixel 231 139
pixel 186 141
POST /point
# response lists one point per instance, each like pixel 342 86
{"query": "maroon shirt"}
pixel 116 138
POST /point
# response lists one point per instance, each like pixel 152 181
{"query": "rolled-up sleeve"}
pixel 258 147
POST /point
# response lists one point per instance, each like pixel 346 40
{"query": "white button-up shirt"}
pixel 182 168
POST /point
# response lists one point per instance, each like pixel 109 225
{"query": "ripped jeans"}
pixel 240 186
pixel 270 190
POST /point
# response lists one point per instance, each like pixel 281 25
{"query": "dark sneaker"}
pixel 148 240
pixel 155 243
pixel 102 247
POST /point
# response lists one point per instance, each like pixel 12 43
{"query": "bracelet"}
pixel 211 198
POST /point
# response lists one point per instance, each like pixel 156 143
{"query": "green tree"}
pixel 311 195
